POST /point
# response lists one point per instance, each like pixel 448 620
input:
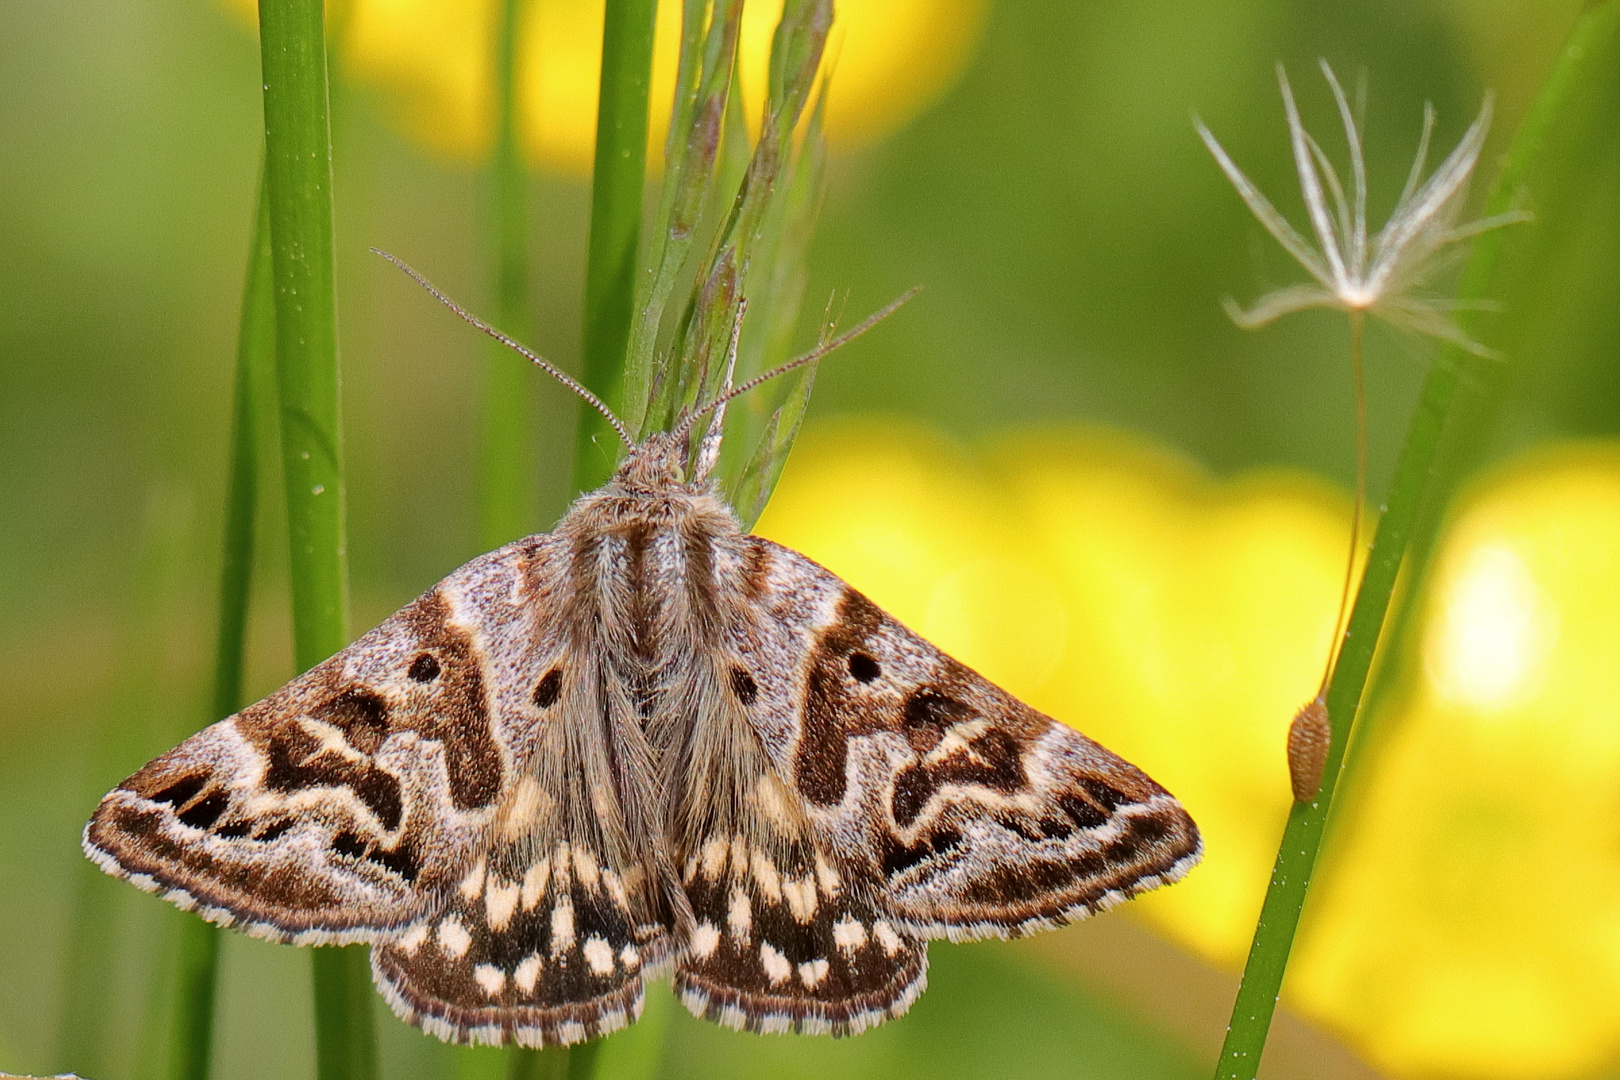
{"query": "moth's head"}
pixel 656 463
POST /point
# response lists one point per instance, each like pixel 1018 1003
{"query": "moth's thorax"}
pixel 650 555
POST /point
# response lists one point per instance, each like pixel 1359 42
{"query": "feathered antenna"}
pixel 709 454
pixel 686 422
pixel 545 365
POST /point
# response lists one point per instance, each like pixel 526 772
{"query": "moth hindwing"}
pixel 645 744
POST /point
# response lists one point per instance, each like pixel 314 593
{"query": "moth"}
pixel 644 745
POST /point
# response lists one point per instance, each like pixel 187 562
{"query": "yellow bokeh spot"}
pixel 431 61
pixel 1466 916
pixel 1177 619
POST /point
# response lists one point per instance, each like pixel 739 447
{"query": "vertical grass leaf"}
pixel 298 178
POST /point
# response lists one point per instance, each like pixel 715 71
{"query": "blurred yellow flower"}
pixel 431 62
pixel 1110 583
pixel 1466 921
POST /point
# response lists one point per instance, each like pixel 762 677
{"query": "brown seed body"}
pixel 1308 738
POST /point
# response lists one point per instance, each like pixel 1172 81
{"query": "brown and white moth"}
pixel 645 744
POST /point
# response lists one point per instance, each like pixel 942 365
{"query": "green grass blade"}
pixel 197 950
pixel 616 190
pixel 298 170
pixel 1592 46
pixel 507 460
pixel 703 94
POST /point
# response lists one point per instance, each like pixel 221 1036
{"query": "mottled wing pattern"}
pixel 976 815
pixel 787 936
pixel 339 808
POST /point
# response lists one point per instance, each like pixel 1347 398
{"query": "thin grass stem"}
pixel 298 173
pixel 1412 489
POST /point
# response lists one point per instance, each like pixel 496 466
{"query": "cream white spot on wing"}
pixel 776 804
pixel 827 877
pixel 714 859
pixel 529 806
pixel 562 925
pixel 534 883
pixel 500 901
pixel 705 939
pixel 411 940
pixel 331 740
pixel 849 934
pixel 630 958
pixel 527 973
pixel 453 937
pixel 472 886
pixel 886 937
pixel 812 972
pixel 956 739
pixel 599 955
pixel 739 854
pixel 766 878
pixel 616 889
pixel 490 979
pixel 560 861
pixel 587 871
pixel 801 897
pixel 740 915
pixel 777 967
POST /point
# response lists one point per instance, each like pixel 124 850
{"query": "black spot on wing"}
pixel 205 811
pixel 1080 811
pixel 401 861
pixel 898 858
pixel 743 685
pixel 182 790
pixel 424 668
pixel 863 668
pixel 1104 795
pixel 550 688
pixel 274 831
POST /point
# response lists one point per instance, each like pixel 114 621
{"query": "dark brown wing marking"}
pixel 318 813
pixel 979 815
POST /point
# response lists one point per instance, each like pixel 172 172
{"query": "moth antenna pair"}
pixel 686 423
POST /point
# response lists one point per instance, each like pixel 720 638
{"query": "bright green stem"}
pixel 508 463
pixel 197 950
pixel 1411 490
pixel 298 172
pixel 616 190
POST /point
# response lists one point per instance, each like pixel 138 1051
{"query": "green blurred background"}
pixel 1072 238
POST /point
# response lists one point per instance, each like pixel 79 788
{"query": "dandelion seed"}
pixel 1360 277
pixel 1353 273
